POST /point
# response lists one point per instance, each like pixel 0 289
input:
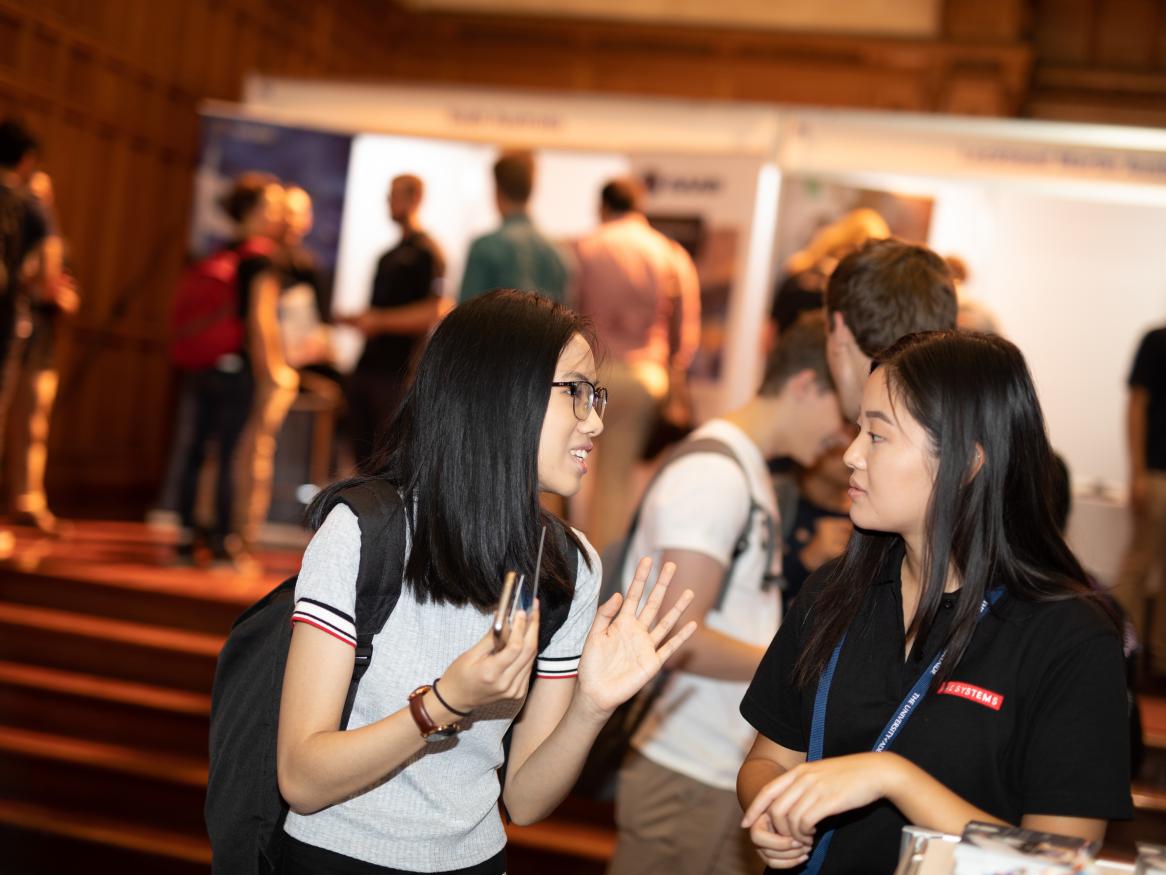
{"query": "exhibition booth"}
pixel 1061 225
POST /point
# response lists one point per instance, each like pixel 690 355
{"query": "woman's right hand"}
pixel 480 676
pixel 779 851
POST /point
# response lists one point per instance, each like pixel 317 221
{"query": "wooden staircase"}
pixel 106 663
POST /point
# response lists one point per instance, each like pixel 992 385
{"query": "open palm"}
pixel 626 647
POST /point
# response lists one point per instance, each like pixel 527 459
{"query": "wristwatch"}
pixel 430 731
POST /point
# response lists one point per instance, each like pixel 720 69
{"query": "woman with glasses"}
pixel 503 406
pixel 953 665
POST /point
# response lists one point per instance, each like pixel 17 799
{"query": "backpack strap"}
pixel 552 620
pixel 381 515
pixel 720 448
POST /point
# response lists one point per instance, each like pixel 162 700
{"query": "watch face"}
pixel 441 733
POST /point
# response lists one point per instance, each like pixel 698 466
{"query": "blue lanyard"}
pixel 894 725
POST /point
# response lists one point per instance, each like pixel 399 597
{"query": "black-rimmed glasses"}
pixel 586 396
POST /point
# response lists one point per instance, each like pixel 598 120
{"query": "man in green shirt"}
pixel 516 256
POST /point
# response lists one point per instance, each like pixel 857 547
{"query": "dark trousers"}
pixel 304 859
pixel 11 351
pixel 222 403
pixel 373 399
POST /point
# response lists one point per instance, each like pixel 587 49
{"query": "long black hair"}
pixel 995 526
pixel 463 450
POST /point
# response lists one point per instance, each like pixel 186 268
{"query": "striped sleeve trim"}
pixel 557 666
pixel 327 619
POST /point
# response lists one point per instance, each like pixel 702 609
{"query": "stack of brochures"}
pixel 991 849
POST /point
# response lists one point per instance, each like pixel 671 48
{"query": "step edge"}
pixel 175 768
pixel 104 688
pixel 109 629
pixel 121 834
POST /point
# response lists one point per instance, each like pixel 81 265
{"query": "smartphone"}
pixel 504 614
pixel 538 564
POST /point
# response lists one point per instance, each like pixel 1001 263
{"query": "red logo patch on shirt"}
pixel 973 694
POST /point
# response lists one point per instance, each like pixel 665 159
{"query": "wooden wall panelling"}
pixel 196 50
pixel 1160 39
pixel 225 67
pixel 1125 33
pixel 986 21
pixel 134 31
pixel 1100 61
pixel 1062 30
pixel 162 34
pixel 42 58
pixel 704 62
pixel 114 240
pixel 11 41
pixel 112 86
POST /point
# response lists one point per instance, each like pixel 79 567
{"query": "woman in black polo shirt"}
pixel 952 665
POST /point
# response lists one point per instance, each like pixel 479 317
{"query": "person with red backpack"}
pixel 226 338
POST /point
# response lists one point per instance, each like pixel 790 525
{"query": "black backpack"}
pixel 244 810
pixel 597 780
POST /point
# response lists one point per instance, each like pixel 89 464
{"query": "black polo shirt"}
pixel 1149 373
pixel 1034 722
pixel 407 273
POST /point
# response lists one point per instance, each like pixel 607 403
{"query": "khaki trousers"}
pixel 26 444
pixel 1146 553
pixel 670 824
pixel 256 458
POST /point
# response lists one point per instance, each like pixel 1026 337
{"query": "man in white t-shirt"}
pixel 676 806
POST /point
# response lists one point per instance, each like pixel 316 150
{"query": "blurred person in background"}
pixel 641 291
pixel 517 255
pixel 973 314
pixel 876 295
pixel 223 393
pixel 405 304
pixel 1146 442
pixel 34 374
pixel 304 341
pixel 24 234
pixel 805 273
pixel 819 526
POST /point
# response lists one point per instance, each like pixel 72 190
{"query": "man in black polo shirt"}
pixel 1146 431
pixel 406 303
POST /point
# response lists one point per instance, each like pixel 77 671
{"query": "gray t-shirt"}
pixel 439 810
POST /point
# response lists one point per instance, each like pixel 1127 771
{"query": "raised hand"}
pixel 626 646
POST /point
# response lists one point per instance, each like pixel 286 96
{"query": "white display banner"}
pixel 1061 224
pixel 1085 160
pixel 499 116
